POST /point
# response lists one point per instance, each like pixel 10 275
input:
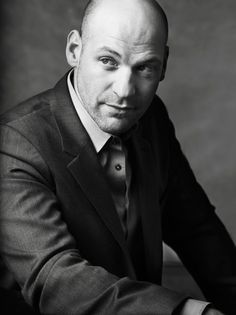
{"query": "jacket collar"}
pixel 84 165
pixel 73 135
pixel 97 136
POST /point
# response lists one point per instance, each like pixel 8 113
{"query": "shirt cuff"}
pixel 193 307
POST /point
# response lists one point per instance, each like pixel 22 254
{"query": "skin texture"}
pixel 119 62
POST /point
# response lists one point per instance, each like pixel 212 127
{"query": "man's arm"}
pixel 194 231
pixel 43 256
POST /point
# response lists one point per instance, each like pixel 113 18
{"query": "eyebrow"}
pixel 152 59
pixel 149 60
pixel 111 51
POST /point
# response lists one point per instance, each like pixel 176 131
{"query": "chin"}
pixel 116 128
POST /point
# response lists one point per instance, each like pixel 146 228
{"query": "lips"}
pixel 120 107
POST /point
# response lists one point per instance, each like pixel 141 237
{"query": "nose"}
pixel 124 85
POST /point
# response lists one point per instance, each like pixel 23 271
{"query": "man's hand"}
pixel 212 311
pixel 196 307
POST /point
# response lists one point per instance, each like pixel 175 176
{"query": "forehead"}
pixel 130 52
pixel 134 25
pixel 127 36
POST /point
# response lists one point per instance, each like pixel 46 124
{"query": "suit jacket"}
pixel 61 235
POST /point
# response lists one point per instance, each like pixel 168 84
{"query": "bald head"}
pixel 147 11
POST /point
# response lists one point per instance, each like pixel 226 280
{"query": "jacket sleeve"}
pixel 37 247
pixel 192 228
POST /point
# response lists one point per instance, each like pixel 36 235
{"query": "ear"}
pixel 73 48
pixel 166 55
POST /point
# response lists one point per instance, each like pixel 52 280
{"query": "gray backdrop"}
pixel 199 89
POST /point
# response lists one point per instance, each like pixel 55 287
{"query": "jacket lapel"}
pixel 147 186
pixel 87 171
pixel 84 165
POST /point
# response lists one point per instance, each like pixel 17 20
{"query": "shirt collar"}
pixel 98 137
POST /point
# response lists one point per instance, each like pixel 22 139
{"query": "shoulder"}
pixel 31 116
pixel 26 133
pixel 29 108
pixel 29 126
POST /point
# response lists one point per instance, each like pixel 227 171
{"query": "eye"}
pixel 145 68
pixel 109 61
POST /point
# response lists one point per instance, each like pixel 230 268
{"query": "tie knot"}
pixel 116 143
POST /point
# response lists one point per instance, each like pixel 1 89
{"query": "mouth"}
pixel 121 108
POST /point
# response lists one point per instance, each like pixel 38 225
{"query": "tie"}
pixel 114 164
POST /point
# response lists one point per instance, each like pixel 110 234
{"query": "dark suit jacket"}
pixel 61 235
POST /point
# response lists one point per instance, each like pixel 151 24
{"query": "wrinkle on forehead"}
pixel 129 53
pixel 124 47
pixel 124 39
pixel 130 44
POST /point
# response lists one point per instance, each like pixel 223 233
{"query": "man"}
pixel 93 180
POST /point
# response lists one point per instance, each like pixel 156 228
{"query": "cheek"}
pixel 147 91
pixel 147 85
pixel 94 91
pixel 99 88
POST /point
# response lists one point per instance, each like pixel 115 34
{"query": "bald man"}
pixel 94 179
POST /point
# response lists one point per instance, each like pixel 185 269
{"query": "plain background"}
pixel 199 89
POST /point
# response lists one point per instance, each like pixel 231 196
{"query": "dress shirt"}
pixel 117 170
pixel 111 155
